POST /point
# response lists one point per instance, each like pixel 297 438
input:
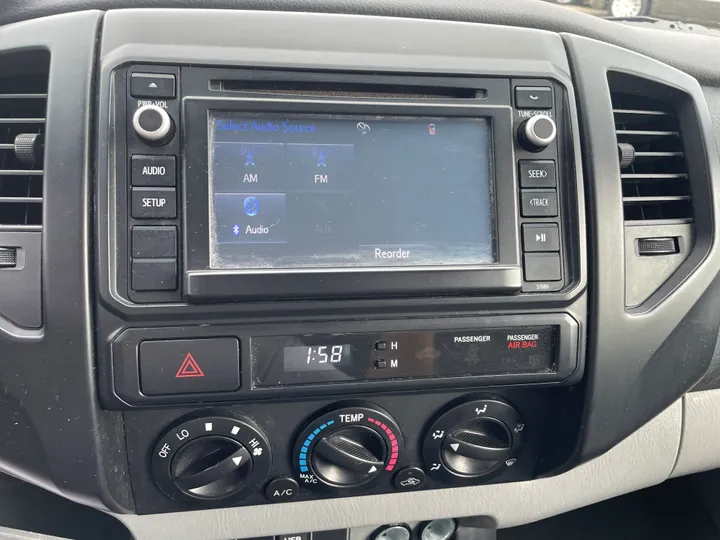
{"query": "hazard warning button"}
pixel 189 366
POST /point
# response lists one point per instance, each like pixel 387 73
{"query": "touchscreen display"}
pixel 311 191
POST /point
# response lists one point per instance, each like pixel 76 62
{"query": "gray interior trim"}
pixel 14 534
pixel 700 446
pixel 307 40
pixel 644 459
pixel 680 49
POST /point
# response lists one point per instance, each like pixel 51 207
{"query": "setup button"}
pixel 154 203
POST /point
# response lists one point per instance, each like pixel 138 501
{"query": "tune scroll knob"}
pixel 348 448
pixel 211 460
pixel 537 133
pixel 153 125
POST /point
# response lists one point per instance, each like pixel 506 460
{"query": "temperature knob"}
pixel 537 133
pixel 477 438
pixel 211 460
pixel 153 125
pixel 350 447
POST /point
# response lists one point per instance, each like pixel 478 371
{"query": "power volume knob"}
pixel 153 125
pixel 537 133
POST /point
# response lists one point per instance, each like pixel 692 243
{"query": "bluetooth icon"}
pixel 236 230
pixel 251 206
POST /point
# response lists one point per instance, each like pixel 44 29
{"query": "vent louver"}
pixel 655 183
pixel 23 102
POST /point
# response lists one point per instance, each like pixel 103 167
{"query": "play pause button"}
pixel 538 237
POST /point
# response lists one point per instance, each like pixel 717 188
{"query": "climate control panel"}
pixel 276 451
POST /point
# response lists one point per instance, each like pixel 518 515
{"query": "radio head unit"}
pixel 294 188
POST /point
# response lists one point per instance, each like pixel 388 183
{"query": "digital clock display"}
pixel 317 358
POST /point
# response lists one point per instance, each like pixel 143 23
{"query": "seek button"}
pixel 537 173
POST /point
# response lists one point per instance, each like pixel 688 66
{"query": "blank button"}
pixel 542 267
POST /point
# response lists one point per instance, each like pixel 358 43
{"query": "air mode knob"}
pixel 475 439
pixel 153 125
pixel 537 133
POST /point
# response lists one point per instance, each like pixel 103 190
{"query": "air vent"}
pixel 23 100
pixel 655 183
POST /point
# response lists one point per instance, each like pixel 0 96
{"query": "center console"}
pixel 371 279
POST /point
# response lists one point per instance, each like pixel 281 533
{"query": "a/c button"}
pixel 282 489
pixel 189 366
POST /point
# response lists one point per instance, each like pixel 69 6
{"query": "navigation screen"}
pixel 316 191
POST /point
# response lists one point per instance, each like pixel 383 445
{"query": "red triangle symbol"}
pixel 189 368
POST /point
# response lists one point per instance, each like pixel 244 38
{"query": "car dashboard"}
pixel 279 268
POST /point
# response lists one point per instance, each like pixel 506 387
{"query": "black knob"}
pixel 154 125
pixel 349 456
pixel 477 447
pixel 211 461
pixel 348 447
pixel 476 437
pixel 537 133
pixel 211 467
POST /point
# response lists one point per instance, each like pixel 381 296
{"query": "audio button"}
pixel 153 171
